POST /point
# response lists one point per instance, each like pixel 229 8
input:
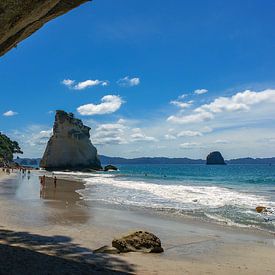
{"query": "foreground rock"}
pixel 20 19
pixel 70 147
pixel 215 158
pixel 110 168
pixel 139 241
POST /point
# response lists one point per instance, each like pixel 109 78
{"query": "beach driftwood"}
pixel 139 241
pixel 20 19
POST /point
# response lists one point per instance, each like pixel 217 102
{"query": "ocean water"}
pixel 223 194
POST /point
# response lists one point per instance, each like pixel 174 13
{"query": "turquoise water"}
pixel 224 194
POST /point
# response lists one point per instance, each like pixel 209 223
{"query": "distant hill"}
pixel 252 161
pixel 156 160
pixel 28 161
pixel 149 160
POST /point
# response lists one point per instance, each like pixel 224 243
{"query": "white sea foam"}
pixel 150 194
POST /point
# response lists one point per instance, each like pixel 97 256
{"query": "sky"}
pixel 151 78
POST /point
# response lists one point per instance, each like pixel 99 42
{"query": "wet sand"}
pixel 55 226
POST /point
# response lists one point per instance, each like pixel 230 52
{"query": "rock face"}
pixel 70 146
pixel 20 19
pixel 139 241
pixel 215 158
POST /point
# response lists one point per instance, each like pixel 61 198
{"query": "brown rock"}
pixel 20 19
pixel 70 147
pixel 260 209
pixel 139 241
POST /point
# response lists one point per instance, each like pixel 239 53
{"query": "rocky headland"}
pixel 70 147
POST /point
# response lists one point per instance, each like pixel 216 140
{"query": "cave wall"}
pixel 20 19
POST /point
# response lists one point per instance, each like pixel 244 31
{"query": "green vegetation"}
pixel 8 148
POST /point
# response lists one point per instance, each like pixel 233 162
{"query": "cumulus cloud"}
pixel 181 104
pixel 189 133
pixel 10 113
pixel 240 102
pixel 119 133
pixel 141 137
pixel 128 82
pixel 68 82
pixel 40 138
pixel 109 104
pixel 200 91
pixel 194 118
pixel 84 84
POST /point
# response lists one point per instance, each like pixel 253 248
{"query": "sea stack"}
pixel 215 158
pixel 70 147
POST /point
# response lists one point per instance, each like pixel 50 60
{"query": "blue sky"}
pixel 144 60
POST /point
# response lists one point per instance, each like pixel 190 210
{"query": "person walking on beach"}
pixel 54 181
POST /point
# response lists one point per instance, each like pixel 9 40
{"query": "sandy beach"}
pixel 54 231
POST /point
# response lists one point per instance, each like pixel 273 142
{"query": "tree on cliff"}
pixel 8 148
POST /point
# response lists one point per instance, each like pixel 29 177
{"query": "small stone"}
pixel 260 209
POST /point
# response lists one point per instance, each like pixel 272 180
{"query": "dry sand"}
pixel 54 232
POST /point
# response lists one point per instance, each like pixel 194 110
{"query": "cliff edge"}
pixel 70 146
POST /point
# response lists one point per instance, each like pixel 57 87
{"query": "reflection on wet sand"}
pixel 64 200
pixel 47 205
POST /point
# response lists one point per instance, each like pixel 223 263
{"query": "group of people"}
pixel 43 181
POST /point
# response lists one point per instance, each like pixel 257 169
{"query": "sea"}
pixel 226 194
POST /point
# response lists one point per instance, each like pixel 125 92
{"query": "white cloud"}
pixel 181 104
pixel 206 129
pixel 142 137
pixel 189 133
pixel 240 102
pixel 68 82
pixel 10 113
pixel 109 134
pixel 138 135
pixel 182 96
pixel 221 141
pixel 84 84
pixel 109 104
pixel 170 137
pixel 190 145
pixel 200 91
pixel 194 118
pixel 40 138
pixel 119 133
pixel 128 82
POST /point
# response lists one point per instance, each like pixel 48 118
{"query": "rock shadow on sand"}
pixel 27 253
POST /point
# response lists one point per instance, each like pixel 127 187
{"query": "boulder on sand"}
pixel 215 158
pixel 139 241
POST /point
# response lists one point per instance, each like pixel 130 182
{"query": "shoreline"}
pixel 190 246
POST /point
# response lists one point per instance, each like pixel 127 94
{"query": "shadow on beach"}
pixel 26 253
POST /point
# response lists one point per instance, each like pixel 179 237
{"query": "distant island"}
pixel 156 160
